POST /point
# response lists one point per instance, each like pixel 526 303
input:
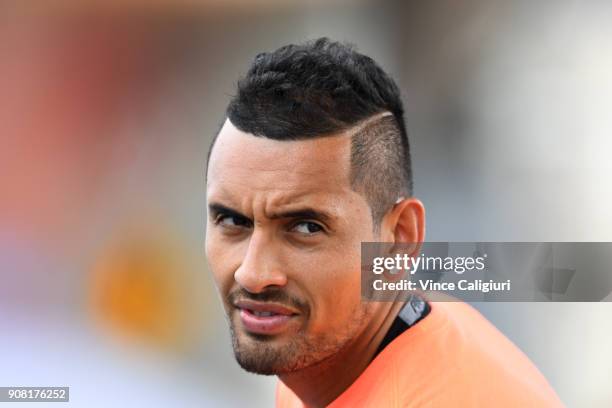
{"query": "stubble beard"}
pixel 270 355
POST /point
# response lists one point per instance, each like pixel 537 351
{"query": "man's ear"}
pixel 405 223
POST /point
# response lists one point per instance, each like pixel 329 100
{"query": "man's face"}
pixel 283 243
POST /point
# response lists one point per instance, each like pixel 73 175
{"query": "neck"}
pixel 322 383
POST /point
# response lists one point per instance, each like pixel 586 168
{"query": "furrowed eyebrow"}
pixel 302 213
pixel 216 209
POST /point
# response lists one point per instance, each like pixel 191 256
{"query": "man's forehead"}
pixel 240 157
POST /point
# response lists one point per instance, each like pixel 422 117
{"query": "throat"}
pixel 320 384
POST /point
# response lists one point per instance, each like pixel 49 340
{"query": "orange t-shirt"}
pixel 452 358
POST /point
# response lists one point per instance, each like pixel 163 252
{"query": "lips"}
pixel 265 318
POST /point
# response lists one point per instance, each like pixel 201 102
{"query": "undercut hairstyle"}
pixel 319 89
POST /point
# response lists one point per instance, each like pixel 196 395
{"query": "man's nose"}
pixel 261 266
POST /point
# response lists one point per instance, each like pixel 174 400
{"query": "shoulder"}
pixel 453 357
pixel 464 360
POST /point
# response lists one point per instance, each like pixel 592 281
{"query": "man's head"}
pixel 309 163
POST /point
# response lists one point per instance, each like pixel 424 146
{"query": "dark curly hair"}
pixel 321 88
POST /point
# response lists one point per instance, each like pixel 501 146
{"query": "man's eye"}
pixel 232 221
pixel 307 227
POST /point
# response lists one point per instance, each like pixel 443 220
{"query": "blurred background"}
pixel 106 113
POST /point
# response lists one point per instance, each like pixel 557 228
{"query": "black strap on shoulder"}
pixel 414 310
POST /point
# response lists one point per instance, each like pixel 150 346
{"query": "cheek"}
pixel 335 288
pixel 220 262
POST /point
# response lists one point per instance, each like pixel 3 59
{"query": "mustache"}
pixel 270 295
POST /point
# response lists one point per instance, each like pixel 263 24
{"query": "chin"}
pixel 267 355
pixel 261 355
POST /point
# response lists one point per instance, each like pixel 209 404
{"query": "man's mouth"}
pixel 265 318
pixel 261 314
